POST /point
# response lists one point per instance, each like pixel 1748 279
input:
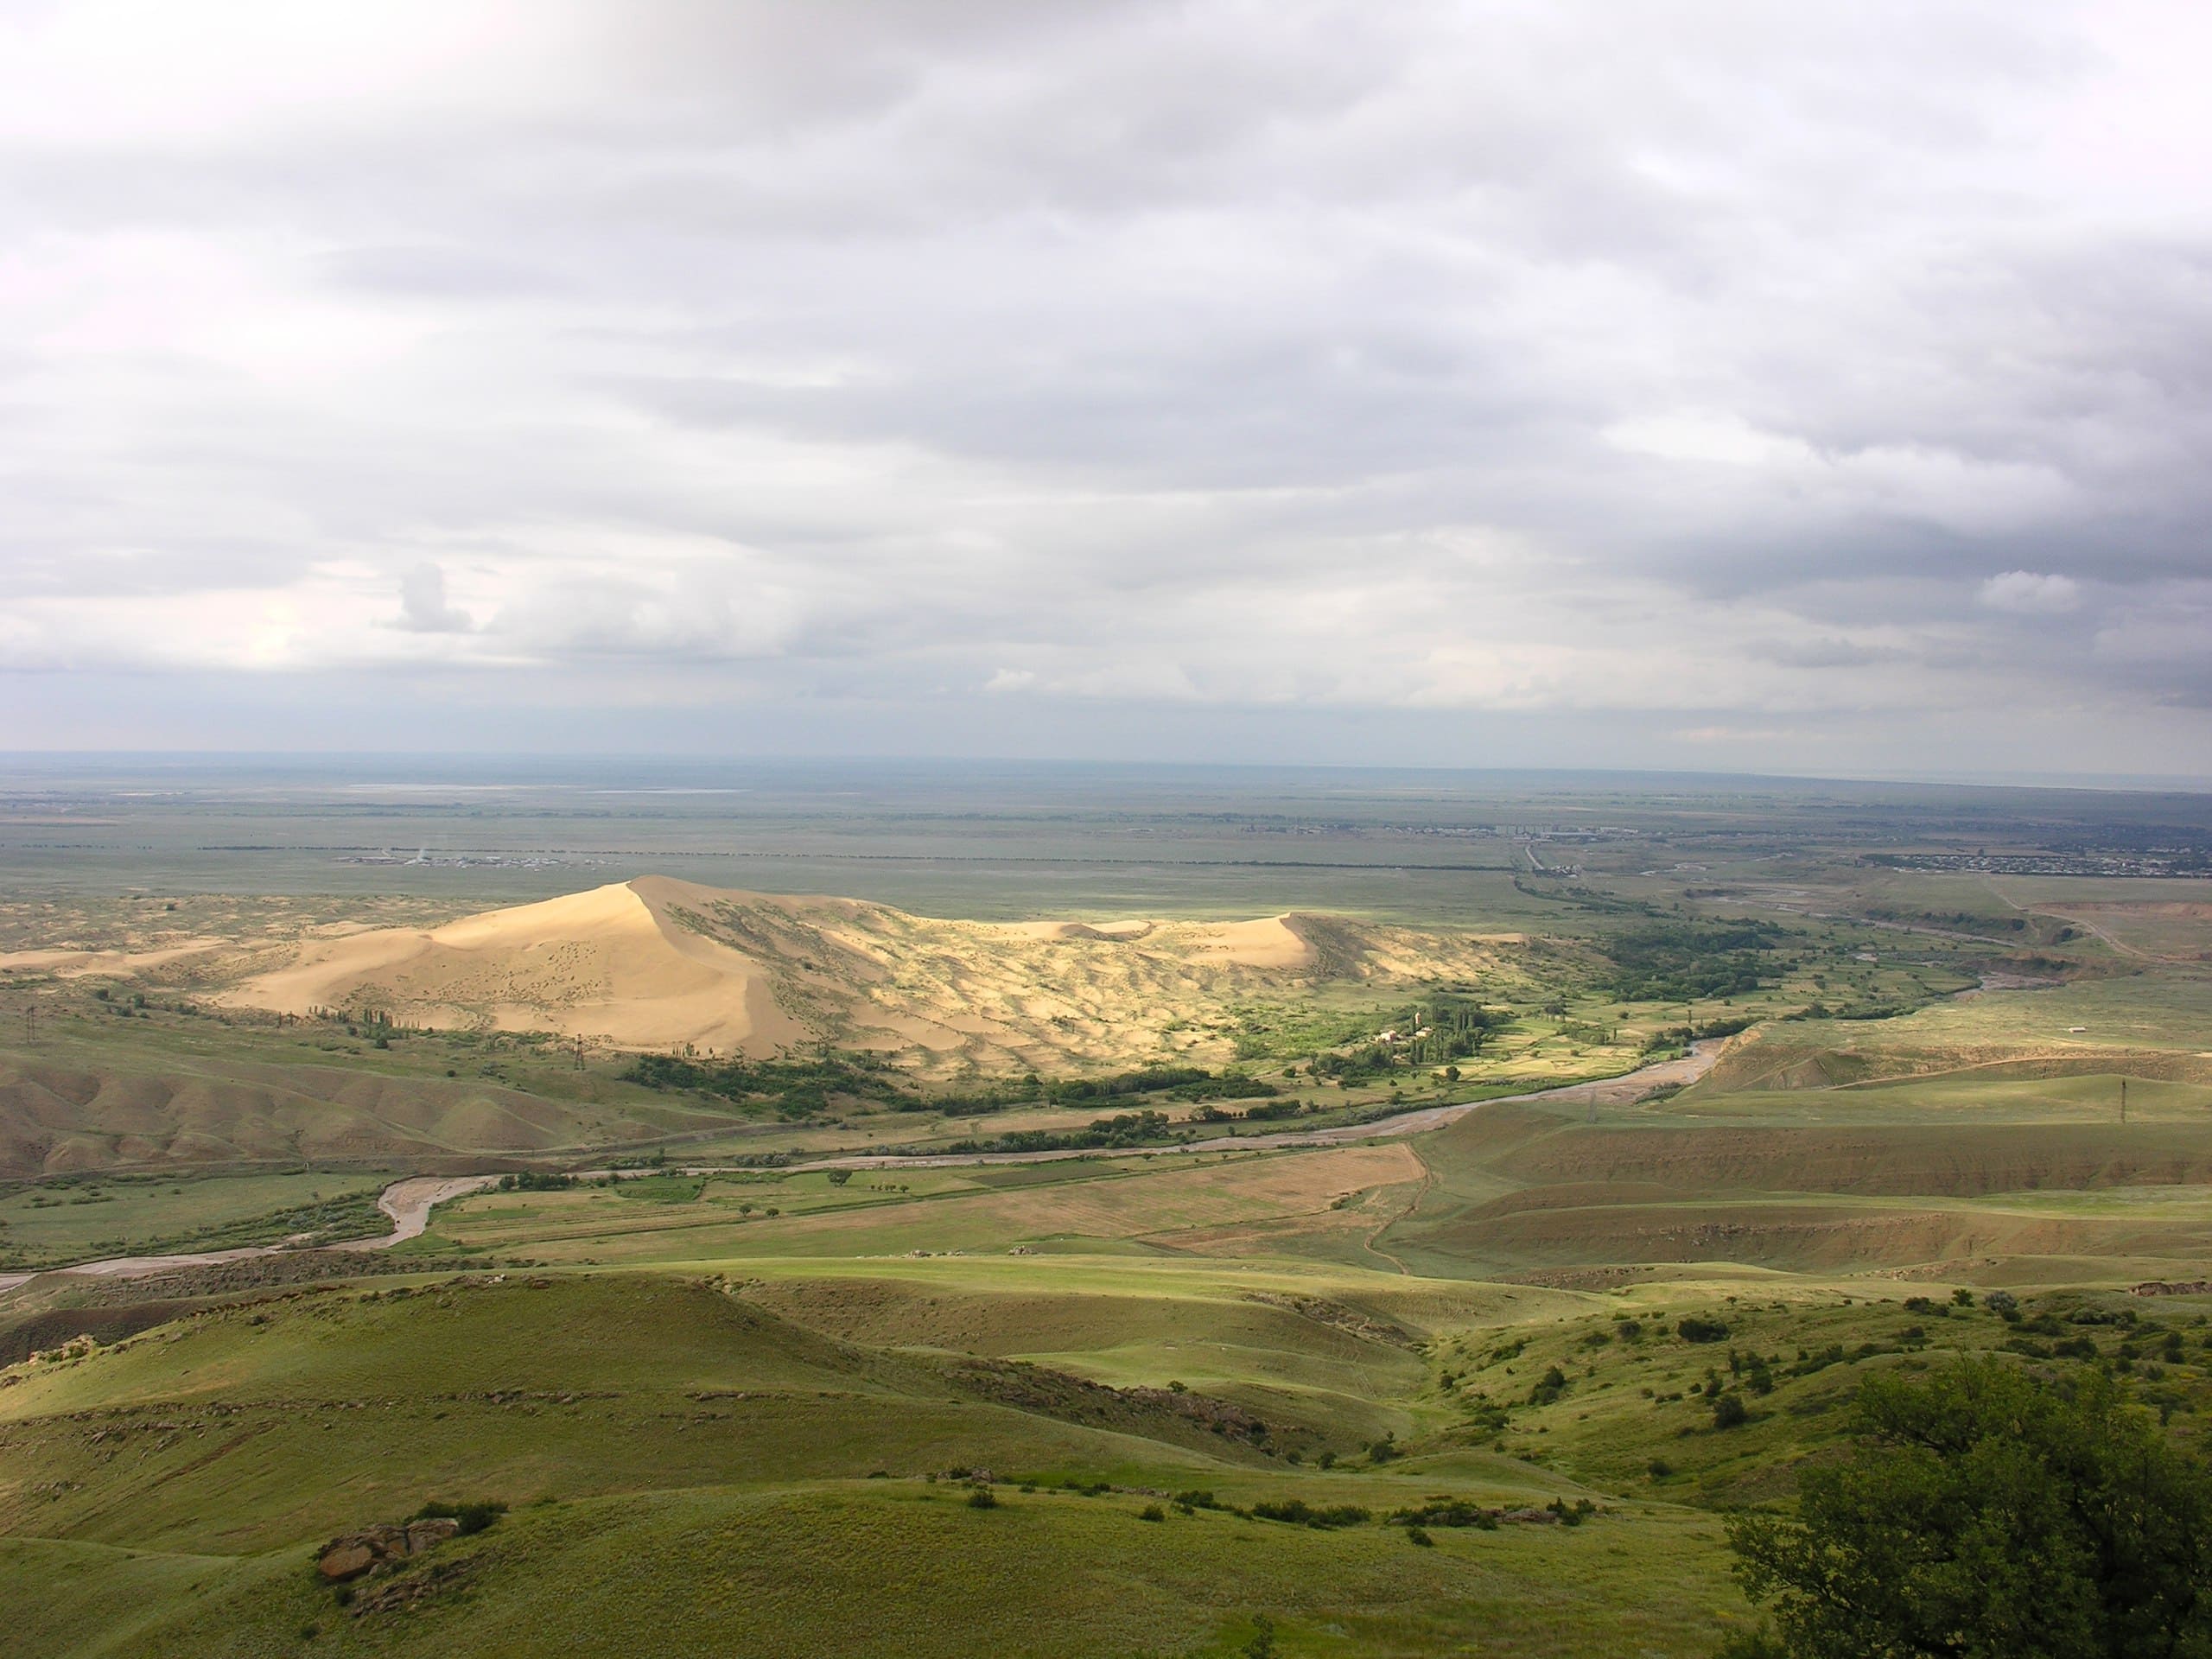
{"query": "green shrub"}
pixel 1298 1512
pixel 474 1517
pixel 1448 1512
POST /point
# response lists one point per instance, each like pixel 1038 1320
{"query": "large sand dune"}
pixel 607 962
pixel 659 963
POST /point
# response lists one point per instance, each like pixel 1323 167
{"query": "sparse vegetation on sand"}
pixel 657 963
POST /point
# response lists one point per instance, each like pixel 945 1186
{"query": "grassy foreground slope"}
pixel 916 1573
pixel 781 1457
pixel 690 1471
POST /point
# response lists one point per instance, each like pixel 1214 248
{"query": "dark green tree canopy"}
pixel 1987 1513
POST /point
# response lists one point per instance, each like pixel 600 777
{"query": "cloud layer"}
pixel 1692 383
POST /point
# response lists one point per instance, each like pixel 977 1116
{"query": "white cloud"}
pixel 1701 435
pixel 1546 361
pixel 422 606
pixel 2026 593
pixel 1704 734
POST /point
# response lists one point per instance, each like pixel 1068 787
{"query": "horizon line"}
pixel 2120 783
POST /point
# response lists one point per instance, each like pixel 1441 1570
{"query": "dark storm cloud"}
pixel 1764 369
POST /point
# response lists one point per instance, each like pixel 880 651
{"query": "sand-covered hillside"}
pixel 659 963
pixel 611 961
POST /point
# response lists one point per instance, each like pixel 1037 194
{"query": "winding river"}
pixel 410 1201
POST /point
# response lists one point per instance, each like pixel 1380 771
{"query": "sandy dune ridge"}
pixel 657 963
pixel 607 962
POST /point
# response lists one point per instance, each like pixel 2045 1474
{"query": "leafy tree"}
pixel 1670 962
pixel 1988 1514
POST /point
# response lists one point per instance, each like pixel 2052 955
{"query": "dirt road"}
pixel 410 1202
pixel 1628 1086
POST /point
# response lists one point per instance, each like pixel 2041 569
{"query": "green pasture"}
pixel 745 1460
pixel 1962 1097
pixel 84 1216
pixel 899 1569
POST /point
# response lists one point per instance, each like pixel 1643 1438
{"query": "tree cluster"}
pixel 1988 1512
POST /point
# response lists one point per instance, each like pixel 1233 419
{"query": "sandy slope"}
pixel 660 964
pixel 607 962
pixel 66 962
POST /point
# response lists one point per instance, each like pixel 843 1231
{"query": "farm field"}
pixel 60 1222
pixel 1131 1323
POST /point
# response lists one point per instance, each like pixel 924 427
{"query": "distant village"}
pixel 425 859
pixel 2149 863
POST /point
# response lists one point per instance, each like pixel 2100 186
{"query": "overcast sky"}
pixel 1732 386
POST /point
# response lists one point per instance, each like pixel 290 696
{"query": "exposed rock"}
pixel 1338 1316
pixel 76 1348
pixel 407 1590
pixel 1075 1399
pixel 343 1561
pixel 427 1535
pixel 352 1554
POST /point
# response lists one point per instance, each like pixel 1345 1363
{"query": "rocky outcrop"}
pixel 1075 1399
pixel 409 1588
pixel 1337 1317
pixel 355 1554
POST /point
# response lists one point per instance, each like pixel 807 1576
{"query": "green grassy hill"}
pixel 784 1460
pixel 675 1453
